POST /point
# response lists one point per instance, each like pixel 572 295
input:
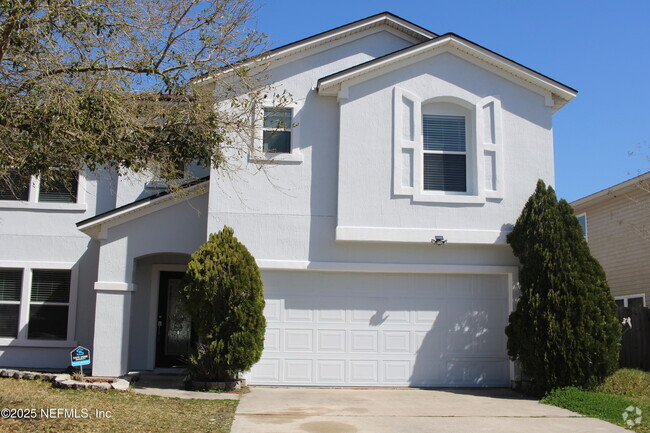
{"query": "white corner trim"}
pixel 112 286
pixel 419 235
pixel 409 268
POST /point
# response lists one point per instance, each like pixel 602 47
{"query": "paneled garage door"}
pixel 361 329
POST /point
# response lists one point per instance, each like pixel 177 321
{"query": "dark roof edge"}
pixel 317 35
pixel 413 47
pixel 167 192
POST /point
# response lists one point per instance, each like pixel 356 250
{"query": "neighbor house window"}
pixel 445 153
pixel 11 282
pixel 276 133
pixel 631 301
pixel 49 304
pixel 582 219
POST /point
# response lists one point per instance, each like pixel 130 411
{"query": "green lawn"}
pixel 608 402
pixel 130 412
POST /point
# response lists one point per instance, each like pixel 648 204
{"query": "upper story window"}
pixel 447 149
pixel 62 189
pixel 445 153
pixel 276 132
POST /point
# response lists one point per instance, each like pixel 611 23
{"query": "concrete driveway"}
pixel 319 410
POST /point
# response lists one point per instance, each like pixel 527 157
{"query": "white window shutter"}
pixel 407 132
pixel 490 143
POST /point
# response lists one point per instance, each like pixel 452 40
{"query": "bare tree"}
pixel 112 83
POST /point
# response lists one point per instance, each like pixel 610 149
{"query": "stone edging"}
pixel 66 381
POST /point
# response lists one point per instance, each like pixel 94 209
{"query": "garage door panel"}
pixel 364 371
pixel 364 341
pixel 299 340
pixel 396 372
pixel 331 371
pixel 272 340
pixel 384 329
pixel 332 340
pixel 298 370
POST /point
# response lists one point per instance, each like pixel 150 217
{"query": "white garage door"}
pixel 360 329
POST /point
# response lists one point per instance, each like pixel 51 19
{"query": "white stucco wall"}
pixel 42 239
pixel 365 189
pixel 291 210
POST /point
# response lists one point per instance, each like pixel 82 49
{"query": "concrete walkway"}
pixel 317 410
pixel 171 385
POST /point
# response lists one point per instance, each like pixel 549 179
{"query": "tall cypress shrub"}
pixel 224 296
pixel 565 330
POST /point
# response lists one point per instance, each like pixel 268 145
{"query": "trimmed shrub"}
pixel 224 296
pixel 565 330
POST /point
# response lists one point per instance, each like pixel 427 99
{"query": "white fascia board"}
pixel 404 27
pixel 97 228
pixel 330 87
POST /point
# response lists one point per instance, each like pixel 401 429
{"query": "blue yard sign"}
pixel 80 356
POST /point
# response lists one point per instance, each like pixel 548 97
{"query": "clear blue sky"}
pixel 600 48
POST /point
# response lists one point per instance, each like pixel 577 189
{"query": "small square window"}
pixel 276 134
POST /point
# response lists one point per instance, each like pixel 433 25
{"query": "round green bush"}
pixel 224 296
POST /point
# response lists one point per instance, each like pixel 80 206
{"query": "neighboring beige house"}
pixel 616 224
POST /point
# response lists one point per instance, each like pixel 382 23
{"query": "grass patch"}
pixel 130 412
pixel 608 402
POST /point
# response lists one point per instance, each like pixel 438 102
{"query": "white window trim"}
pixel 586 227
pixel 25 302
pixel 625 298
pixel 477 146
pixel 32 202
pixel 257 153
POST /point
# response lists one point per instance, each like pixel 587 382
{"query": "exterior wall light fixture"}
pixel 439 240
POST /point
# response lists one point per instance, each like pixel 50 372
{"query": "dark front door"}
pixel 174 333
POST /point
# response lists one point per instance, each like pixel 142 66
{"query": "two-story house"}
pixel 378 221
pixel 616 224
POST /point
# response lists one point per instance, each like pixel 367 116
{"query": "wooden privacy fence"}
pixel 635 344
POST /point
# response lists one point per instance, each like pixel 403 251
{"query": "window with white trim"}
pixel 11 282
pixel 631 301
pixel 48 303
pixel 62 189
pixel 277 129
pixel 447 149
pixel 445 153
